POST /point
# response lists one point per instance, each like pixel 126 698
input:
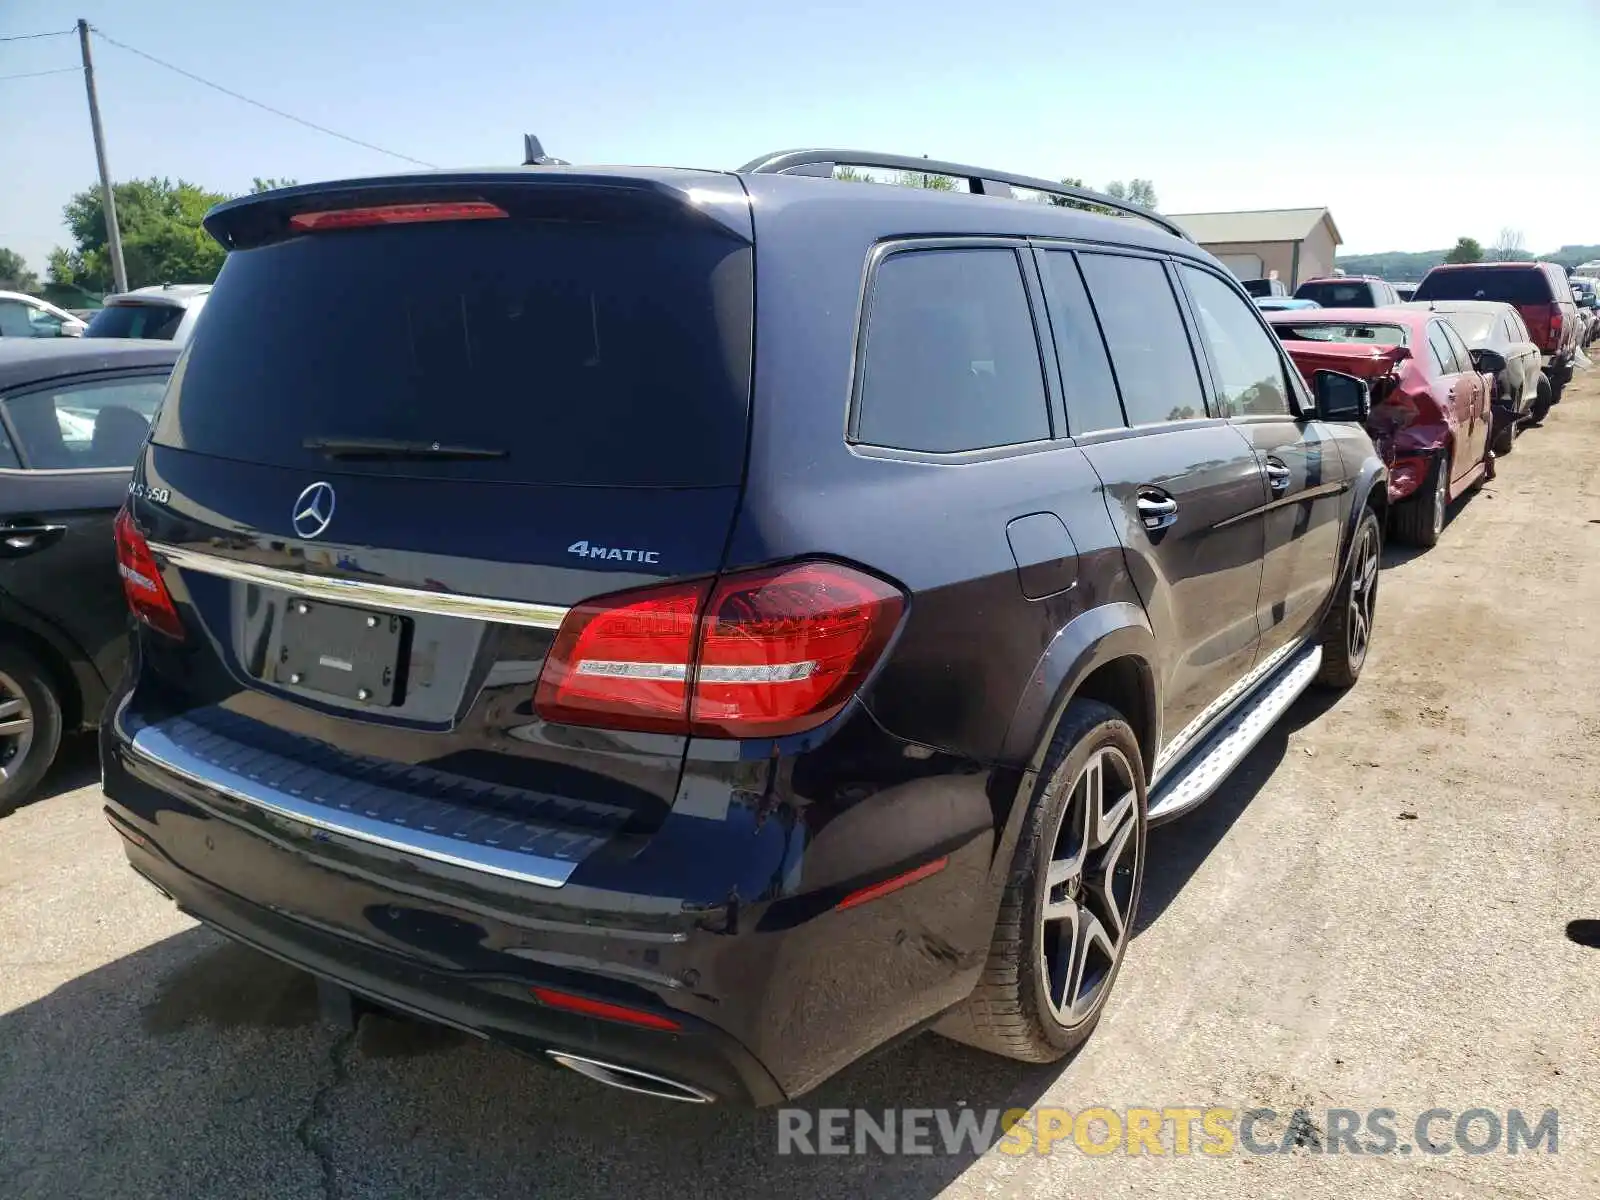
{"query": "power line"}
pixel 28 37
pixel 36 74
pixel 278 112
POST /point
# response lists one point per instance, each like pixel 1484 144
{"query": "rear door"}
pixel 1251 386
pixel 1183 486
pixel 1459 393
pixel 1477 391
pixel 65 454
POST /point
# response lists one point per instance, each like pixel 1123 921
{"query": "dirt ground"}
pixel 1370 913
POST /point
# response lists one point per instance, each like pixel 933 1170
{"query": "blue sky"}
pixel 1416 121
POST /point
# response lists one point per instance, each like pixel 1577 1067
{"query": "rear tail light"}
pixel 761 654
pixel 141 580
pixel 1557 321
pixel 394 214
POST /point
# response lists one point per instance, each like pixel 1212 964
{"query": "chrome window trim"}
pixel 389 597
pixel 153 746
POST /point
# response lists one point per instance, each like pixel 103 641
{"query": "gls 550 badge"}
pixel 585 550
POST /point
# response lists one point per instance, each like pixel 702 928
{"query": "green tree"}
pixel 162 238
pixel 270 184
pixel 15 275
pixel 1136 191
pixel 1466 250
pixel 922 179
pixel 852 175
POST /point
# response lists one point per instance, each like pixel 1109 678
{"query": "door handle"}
pixel 1279 477
pixel 1157 510
pixel 17 540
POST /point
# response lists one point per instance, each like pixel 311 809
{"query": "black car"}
pixel 696 627
pixel 73 415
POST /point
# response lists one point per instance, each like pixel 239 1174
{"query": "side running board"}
pixel 1197 775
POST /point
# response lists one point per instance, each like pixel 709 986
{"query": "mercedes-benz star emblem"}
pixel 314 510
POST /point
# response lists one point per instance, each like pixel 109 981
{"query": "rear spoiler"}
pixel 703 199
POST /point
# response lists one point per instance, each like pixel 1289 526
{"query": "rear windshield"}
pixel 1474 327
pixel 565 353
pixel 157 321
pixel 1337 295
pixel 1260 287
pixel 1376 335
pixel 1510 286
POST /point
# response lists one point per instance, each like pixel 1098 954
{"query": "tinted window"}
pixel 1247 360
pixel 1512 285
pixel 1085 374
pixel 951 362
pixel 158 322
pixel 101 424
pixel 8 452
pixel 1144 330
pixel 1444 355
pixel 1334 293
pixel 579 353
pixel 14 319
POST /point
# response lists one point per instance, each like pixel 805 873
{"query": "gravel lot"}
pixel 1370 913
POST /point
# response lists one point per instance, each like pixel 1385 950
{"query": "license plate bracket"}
pixel 354 654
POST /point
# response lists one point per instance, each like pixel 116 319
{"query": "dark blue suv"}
pixel 696 627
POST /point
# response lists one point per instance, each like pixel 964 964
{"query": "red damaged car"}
pixel 1431 417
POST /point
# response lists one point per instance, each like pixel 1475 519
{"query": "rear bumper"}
pixel 771 992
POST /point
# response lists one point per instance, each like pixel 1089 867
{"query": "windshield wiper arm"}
pixel 378 449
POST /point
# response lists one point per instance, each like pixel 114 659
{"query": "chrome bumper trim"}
pixel 363 593
pixel 155 746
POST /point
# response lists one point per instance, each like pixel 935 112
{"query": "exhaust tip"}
pixel 631 1079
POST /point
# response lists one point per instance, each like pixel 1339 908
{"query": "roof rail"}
pixel 980 181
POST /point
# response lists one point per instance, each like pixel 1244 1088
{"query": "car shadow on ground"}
pixel 1176 850
pixel 236 1082
pixel 77 765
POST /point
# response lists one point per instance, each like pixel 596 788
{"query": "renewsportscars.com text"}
pixel 1178 1131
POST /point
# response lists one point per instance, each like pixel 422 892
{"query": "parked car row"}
pixel 793 657
pixel 163 312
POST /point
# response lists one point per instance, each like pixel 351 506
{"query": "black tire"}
pixel 1506 439
pixel 1009 1013
pixel 1543 398
pixel 1415 519
pixel 1558 384
pixel 1344 642
pixel 25 759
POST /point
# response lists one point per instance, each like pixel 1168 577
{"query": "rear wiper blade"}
pixel 396 449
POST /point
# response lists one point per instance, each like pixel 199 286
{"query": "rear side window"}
pixel 158 322
pixel 1337 294
pixel 1463 355
pixel 584 353
pixel 1444 355
pixel 1249 366
pixel 1085 373
pixel 952 361
pixel 1508 285
pixel 84 424
pixel 1144 330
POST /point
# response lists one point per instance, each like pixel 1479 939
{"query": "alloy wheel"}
pixel 1091 884
pixel 16 726
pixel 1363 595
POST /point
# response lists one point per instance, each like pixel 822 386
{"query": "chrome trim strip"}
pixel 368 595
pixel 1170 752
pixel 156 747
pixel 631 1079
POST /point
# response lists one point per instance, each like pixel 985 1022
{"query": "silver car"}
pixel 163 312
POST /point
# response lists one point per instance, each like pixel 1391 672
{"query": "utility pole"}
pixel 119 273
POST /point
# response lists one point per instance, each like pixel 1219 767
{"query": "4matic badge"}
pixel 585 550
